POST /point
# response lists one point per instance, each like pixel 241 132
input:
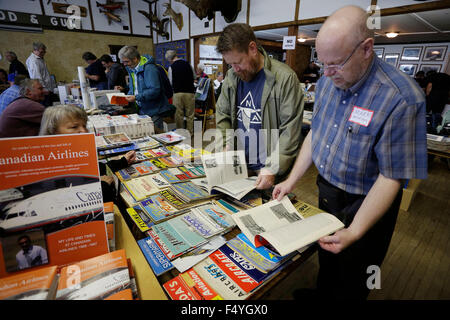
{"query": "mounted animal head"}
pixel 176 17
pixel 207 8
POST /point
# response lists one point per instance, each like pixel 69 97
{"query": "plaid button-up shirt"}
pixel 376 126
pixel 8 96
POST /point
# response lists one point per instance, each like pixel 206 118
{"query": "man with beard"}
pixel 261 103
pixel 367 135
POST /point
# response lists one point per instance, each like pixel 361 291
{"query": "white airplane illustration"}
pixel 51 206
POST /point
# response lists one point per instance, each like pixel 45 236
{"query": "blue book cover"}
pixel 252 255
pixel 158 208
pixel 266 253
pixel 155 257
pixel 143 216
pixel 228 254
pixel 118 150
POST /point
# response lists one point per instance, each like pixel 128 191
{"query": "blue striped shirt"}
pixel 376 126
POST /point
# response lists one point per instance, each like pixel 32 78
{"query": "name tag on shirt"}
pixel 361 116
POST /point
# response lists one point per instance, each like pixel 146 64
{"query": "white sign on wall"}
pixel 289 42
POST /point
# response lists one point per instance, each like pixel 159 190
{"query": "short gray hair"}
pixel 54 116
pixel 39 45
pixel 201 66
pixel 170 55
pixel 26 85
pixel 128 52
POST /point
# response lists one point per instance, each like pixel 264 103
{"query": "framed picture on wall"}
pixel 379 52
pixel 411 53
pixel 430 67
pixel 434 53
pixel 408 68
pixel 391 58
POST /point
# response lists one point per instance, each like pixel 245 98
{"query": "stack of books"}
pixel 438 143
pixel 134 125
pixel 104 277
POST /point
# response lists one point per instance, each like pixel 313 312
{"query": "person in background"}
pixel 95 71
pixel 311 73
pixel 218 84
pixel 4 83
pixel 16 67
pixel 30 255
pixel 22 117
pixel 437 89
pixel 420 78
pixel 368 134
pixel 115 72
pixel 262 103
pixel 37 69
pixel 200 72
pixel 145 85
pixel 181 78
pixel 71 119
pixel 13 92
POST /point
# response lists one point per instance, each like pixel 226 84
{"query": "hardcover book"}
pixel 32 285
pixel 52 206
pixel 97 278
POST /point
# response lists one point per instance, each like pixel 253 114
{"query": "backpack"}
pixel 165 83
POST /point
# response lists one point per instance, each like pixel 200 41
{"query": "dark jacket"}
pixel 18 67
pixel 182 77
pixel 116 76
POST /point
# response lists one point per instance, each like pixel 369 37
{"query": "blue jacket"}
pixel 150 99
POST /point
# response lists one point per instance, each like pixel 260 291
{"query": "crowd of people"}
pixel 150 88
pixel 368 130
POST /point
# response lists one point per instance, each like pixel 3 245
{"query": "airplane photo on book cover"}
pixel 51 202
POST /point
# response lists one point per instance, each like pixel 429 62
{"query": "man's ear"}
pixel 368 47
pixel 252 48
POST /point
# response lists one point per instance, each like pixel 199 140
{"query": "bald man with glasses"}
pixel 367 137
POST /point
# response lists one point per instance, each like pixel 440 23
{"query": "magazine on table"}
pixel 278 225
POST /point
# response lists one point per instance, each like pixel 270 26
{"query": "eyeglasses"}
pixel 336 67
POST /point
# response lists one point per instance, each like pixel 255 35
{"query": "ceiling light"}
pixel 391 34
pixel 301 39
